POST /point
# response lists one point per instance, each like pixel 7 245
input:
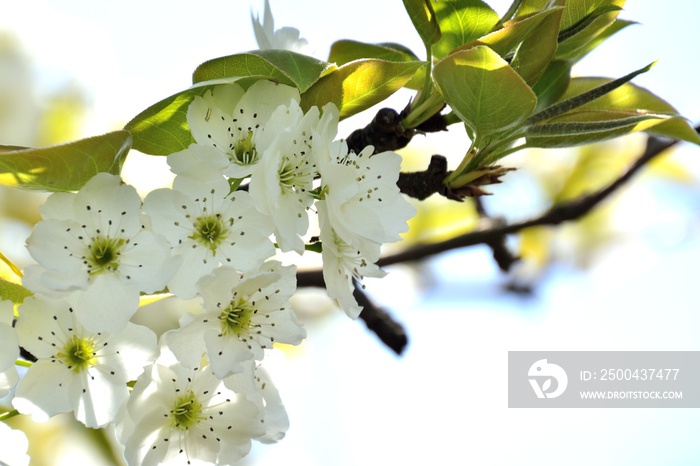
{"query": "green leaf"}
pixel 588 126
pixel 571 31
pixel 462 22
pixel 611 30
pixel 585 97
pixel 486 93
pixel 358 85
pixel 162 128
pixel 512 10
pixel 283 66
pixel 505 40
pixel 629 97
pixel 537 50
pixel 603 15
pixel 553 83
pixel 66 167
pixel 423 18
pixel 13 292
pixel 345 51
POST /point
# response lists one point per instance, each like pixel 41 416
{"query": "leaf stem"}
pixel 9 414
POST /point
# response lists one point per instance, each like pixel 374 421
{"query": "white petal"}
pixel 13 446
pixel 107 304
pixel 43 392
pixel 147 264
pixel 97 396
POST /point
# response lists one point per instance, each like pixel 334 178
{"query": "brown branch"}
pixel 556 215
pixel 379 321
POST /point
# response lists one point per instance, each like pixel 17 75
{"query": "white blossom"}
pixel 281 183
pixel 343 263
pixel 177 415
pixel 364 203
pixel 77 370
pixel 256 384
pixel 234 122
pixel 9 349
pixel 243 316
pixel 286 38
pixel 13 446
pixel 95 240
pixel 208 226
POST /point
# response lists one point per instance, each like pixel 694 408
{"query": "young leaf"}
pixel 424 20
pixel 162 128
pixel 594 23
pixel 537 50
pixel 66 167
pixel 486 93
pixel 589 126
pixel 358 85
pixel 585 97
pixel 634 98
pixel 553 83
pixel 283 66
pixel 505 40
pixel 13 291
pixel 461 22
pixel 345 51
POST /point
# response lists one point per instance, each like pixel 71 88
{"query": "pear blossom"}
pixel 178 415
pixel 234 122
pixel 76 370
pixel 95 240
pixel 256 384
pixel 207 226
pixel 286 38
pixel 9 349
pixel 281 183
pixel 343 263
pixel 364 203
pixel 243 316
pixel 13 446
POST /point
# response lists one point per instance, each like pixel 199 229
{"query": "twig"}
pixel 379 321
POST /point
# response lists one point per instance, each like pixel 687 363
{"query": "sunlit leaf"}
pixel 423 18
pixel 345 51
pixel 486 93
pixel 461 22
pixel 13 291
pixel 537 50
pixel 506 40
pixel 162 128
pixel 632 98
pixel 583 98
pixel 360 84
pixel 66 167
pixel 603 15
pixel 283 66
pixel 588 126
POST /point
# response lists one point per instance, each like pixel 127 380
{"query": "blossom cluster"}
pixel 258 169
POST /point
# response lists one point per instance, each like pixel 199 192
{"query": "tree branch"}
pixel 492 230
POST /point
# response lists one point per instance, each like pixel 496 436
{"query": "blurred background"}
pixel 623 278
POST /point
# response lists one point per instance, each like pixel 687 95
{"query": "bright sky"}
pixel 444 403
